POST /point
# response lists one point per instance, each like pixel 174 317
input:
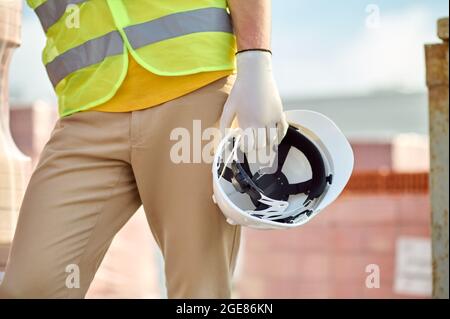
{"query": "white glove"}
pixel 255 102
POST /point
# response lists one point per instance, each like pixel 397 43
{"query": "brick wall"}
pixel 31 126
pixel 328 257
pixel 372 155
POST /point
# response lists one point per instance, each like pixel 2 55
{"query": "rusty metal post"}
pixel 14 166
pixel 437 56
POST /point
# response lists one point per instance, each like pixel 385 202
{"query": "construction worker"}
pixel 127 74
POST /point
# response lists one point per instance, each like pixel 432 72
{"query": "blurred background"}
pixel 361 63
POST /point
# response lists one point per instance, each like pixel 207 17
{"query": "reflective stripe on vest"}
pixel 51 11
pixel 179 24
pixel 140 35
pixel 90 53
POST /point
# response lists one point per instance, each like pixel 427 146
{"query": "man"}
pixel 127 74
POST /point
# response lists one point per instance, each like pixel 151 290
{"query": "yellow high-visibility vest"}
pixel 86 55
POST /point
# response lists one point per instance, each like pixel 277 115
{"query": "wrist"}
pixel 254 50
pixel 254 62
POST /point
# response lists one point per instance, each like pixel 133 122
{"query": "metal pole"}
pixel 14 165
pixel 437 56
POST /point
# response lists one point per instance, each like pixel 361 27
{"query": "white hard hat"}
pixel 313 165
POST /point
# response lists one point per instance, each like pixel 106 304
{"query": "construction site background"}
pixel 386 236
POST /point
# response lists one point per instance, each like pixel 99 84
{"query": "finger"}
pixel 248 140
pixel 226 119
pixel 260 138
pixel 282 127
pixel 272 135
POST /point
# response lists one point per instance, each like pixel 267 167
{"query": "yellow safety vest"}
pixel 86 55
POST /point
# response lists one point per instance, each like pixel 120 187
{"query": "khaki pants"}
pixel 94 173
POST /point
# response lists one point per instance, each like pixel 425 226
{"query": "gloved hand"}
pixel 255 101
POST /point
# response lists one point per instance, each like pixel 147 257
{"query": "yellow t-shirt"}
pixel 142 89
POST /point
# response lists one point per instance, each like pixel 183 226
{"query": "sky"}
pixel 320 48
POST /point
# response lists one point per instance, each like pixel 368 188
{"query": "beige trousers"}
pixel 94 173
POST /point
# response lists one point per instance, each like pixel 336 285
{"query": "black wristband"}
pixel 261 50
